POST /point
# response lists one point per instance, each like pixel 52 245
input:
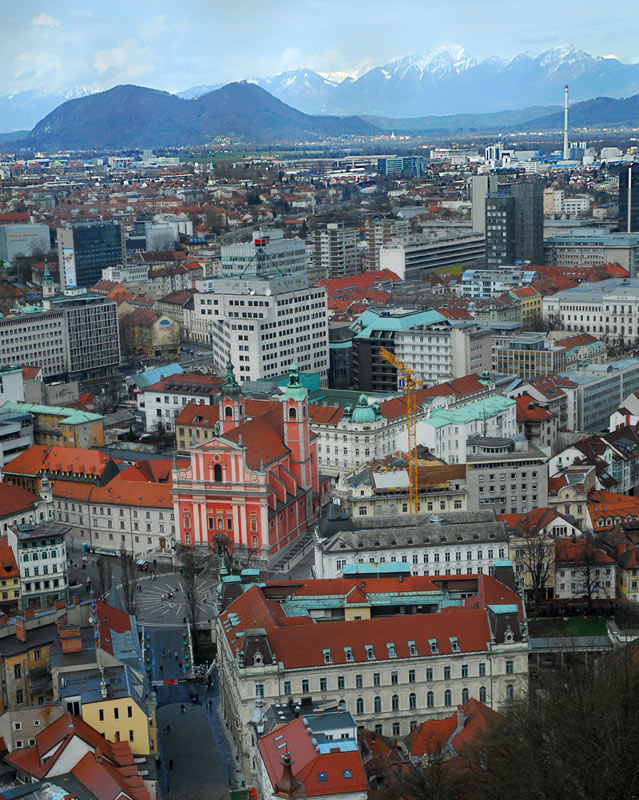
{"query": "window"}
pixel 359 705
pixel 116 713
pixel 411 676
pixel 328 658
pixel 370 652
pixel 464 671
pixel 510 692
pixel 510 668
pixel 429 674
pixel 17 671
pixel 323 686
pixel 378 730
pixel 19 697
pixel 217 473
pixel 446 673
pixel 340 681
pixel 395 702
pixel 348 653
pixel 395 728
pixel 412 700
pixel 358 682
pixel 430 699
pixel 287 687
pixel 465 695
pixel 482 694
pixel 482 669
pixel 376 679
pixel 412 647
pixel 305 686
pixel 394 678
pixel 448 698
pixel 377 704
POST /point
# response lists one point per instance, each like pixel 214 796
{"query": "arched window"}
pixel 228 411
pixel 292 413
pixel 510 692
pixel 359 705
pixel 217 473
pixel 412 700
pixel 378 705
pixel 430 699
pixel 448 698
pixel 255 542
pixel 465 695
pixel 395 702
pixel 482 694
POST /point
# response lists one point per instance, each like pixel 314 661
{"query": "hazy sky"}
pixel 173 45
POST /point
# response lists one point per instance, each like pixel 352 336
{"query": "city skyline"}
pixel 62 47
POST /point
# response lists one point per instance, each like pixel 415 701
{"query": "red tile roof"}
pixel 188 382
pixel 309 764
pixel 13 500
pixel 431 737
pixel 76 460
pixel 578 551
pixel 531 523
pixel 8 566
pixel 528 410
pixel 607 509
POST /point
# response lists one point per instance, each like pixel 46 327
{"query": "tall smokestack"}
pixel 566 154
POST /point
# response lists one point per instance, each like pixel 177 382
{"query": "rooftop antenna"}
pixel 566 153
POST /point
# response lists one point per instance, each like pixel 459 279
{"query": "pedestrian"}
pixel 161 668
pixel 169 652
pixel 170 763
pixel 180 665
pixel 163 652
pixel 182 709
pixel 197 698
pixel 176 655
pixel 167 729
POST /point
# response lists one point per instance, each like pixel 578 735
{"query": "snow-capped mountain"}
pixel 21 111
pixel 447 80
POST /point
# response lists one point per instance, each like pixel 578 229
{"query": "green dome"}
pixel 363 412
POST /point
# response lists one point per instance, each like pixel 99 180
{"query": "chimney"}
pixel 70 638
pixel 3 619
pixel 21 631
pixel 460 717
pixel 76 599
pixel 566 122
pixel 97 755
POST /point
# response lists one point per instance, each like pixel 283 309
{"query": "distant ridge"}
pixel 134 116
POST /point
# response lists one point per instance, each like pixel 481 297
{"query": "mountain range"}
pixel 449 81
pixel 127 117
pixel 442 82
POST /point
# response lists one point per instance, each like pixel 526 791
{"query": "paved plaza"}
pixel 153 603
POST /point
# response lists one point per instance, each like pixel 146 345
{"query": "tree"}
pixel 591 575
pixel 128 577
pixel 105 575
pixel 128 335
pixel 106 401
pixel 191 566
pixel 537 553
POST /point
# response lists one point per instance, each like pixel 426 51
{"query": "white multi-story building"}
pixel 127 273
pixel 418 254
pixel 441 351
pixel 372 644
pixel 39 549
pixel 603 308
pixel 269 253
pixel 445 431
pixel 436 543
pixel 264 324
pixel 485 283
pixel 161 402
pixel 334 251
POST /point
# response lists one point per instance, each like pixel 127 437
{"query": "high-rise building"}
pixel 264 324
pixel 269 253
pixel 334 251
pixel 86 248
pixel 514 224
pixel 481 185
pixel 628 198
pixel 396 165
pixel 382 231
pixel 23 240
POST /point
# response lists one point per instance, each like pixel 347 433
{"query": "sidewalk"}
pixel 223 740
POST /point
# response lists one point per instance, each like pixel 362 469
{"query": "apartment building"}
pixel 393 662
pixel 163 401
pixel 36 336
pixel 383 231
pixel 531 355
pixel 486 283
pixel 268 254
pixel 40 551
pixel 420 254
pixel 591 247
pixel 334 251
pixel 67 427
pixel 506 474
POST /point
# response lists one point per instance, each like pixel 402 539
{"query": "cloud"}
pixel 45 21
pixel 79 12
pixel 126 62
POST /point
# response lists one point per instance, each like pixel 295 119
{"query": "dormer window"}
pixel 412 649
pixel 348 653
pixel 454 644
pixel 390 647
pixel 328 658
pixel 370 652
pixel 433 646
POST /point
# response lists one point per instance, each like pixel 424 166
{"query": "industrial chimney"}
pixel 566 153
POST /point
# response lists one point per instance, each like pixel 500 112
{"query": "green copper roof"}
pixel 371 321
pixel 294 389
pixel 72 416
pixel 480 409
pixel 362 411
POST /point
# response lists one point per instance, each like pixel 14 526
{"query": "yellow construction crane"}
pixel 411 383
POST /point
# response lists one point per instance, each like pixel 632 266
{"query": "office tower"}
pixel 628 198
pixel 396 165
pixel 85 249
pixel 481 185
pixel 269 253
pixel 334 251
pixel 382 231
pixel 515 224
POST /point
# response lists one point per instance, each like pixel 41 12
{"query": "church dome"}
pixel 363 412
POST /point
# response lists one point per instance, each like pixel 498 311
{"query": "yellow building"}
pixel 25 659
pixel 119 719
pixel 9 579
pixel 65 427
pixel 148 332
pixel 529 303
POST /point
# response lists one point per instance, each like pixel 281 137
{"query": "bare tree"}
pixel 128 577
pixel 105 574
pixel 537 554
pixel 591 574
pixel 128 335
pixel 191 565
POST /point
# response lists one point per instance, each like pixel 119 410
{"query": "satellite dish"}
pixel 268 292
